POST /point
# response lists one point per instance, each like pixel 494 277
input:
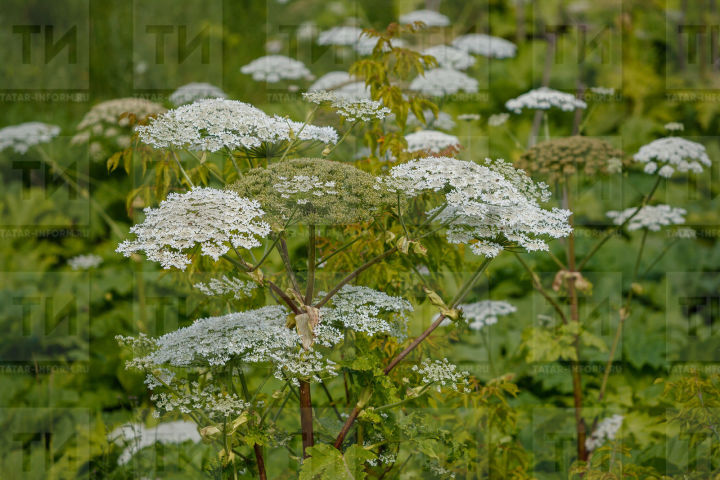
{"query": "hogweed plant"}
pixel 299 244
pixel 576 161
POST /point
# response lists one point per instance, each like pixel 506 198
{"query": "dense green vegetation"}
pixel 64 386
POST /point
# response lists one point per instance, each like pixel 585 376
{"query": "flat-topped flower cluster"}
pixel 442 373
pixel 195 91
pixel 430 141
pixel 440 82
pixel 652 217
pixel 214 124
pixel 351 109
pixel 486 206
pixel 215 220
pixel 21 137
pixel 665 156
pixel 486 45
pixel 263 336
pixel 544 98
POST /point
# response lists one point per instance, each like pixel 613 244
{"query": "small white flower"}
pixel 443 373
pixel 652 217
pixel 136 436
pixel 485 312
pixel 450 57
pixel 340 36
pixel 368 311
pixel 85 262
pixel 430 141
pixel 439 82
pixel 215 220
pixel 227 285
pixel 603 91
pixel 544 98
pixel 486 205
pixel 331 81
pixel 428 17
pixel 672 154
pixel 354 91
pixel 366 45
pixel 469 117
pixel 481 44
pixel 210 125
pixel 195 91
pixel 349 108
pixel 112 112
pixel 443 121
pixel 606 430
pixel 498 119
pixel 273 68
pixel 21 137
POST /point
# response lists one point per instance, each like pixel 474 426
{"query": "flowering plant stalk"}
pixel 301 324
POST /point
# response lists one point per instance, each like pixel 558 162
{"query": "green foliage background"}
pixel 64 386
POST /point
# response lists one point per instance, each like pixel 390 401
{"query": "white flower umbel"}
pixel 354 91
pixel 674 127
pixel 469 117
pixel 439 82
pixel 486 206
pixel 544 98
pixel 112 114
pixel 366 45
pixel 21 137
pixel 430 141
pixel 349 108
pixel 443 121
pixel 301 186
pixel 498 119
pixel 85 262
pixel 214 220
pixel 606 430
pixel 186 397
pixel 485 312
pixel 331 81
pixel 652 217
pixel 428 17
pixel 210 125
pixel 603 91
pixel 486 45
pixel 136 436
pixel 195 91
pixel 670 154
pixel 254 336
pixel 369 311
pixel 340 36
pixel 450 57
pixel 273 68
pixel 443 373
pixel 106 127
pixel 227 286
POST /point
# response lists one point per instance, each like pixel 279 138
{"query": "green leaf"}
pixel 328 463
